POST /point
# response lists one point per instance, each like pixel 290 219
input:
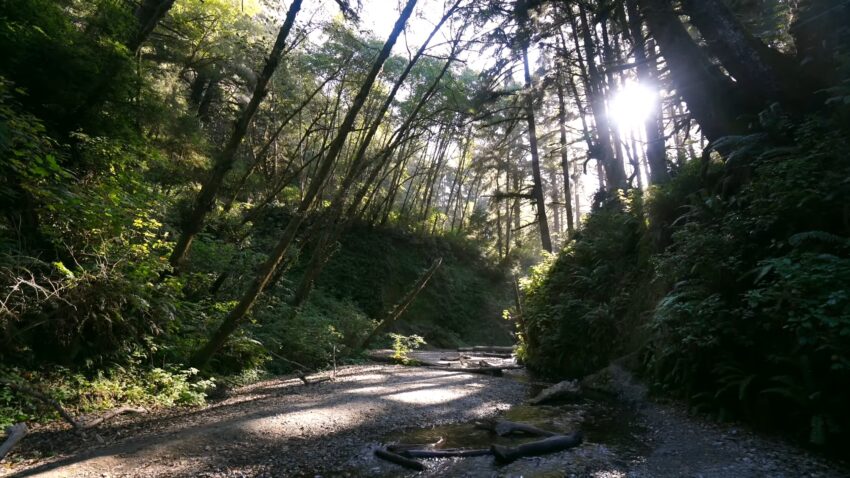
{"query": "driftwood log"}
pixel 15 433
pixel 505 428
pixel 399 460
pixel 303 370
pixel 455 359
pixel 307 381
pixel 507 454
pixel 447 453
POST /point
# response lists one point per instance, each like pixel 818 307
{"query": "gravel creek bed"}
pixel 280 427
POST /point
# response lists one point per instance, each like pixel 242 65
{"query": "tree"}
pixel 711 97
pixel 615 175
pixel 761 74
pixel 272 263
pixel 647 73
pixel 148 14
pixel 537 188
pixel 205 201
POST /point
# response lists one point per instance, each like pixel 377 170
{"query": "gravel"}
pixel 282 428
pixel 273 428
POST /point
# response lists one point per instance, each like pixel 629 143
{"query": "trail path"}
pixel 282 428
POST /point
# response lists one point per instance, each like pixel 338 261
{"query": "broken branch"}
pixel 15 434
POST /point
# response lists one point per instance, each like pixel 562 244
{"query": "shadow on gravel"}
pixel 254 426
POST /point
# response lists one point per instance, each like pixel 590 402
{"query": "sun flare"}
pixel 630 106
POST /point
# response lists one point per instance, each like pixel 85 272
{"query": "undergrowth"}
pixel 730 284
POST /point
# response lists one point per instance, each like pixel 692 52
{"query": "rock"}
pixel 617 381
pixel 566 390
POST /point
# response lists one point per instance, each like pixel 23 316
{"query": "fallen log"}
pixel 487 349
pixel 455 359
pixel 494 354
pixel 400 448
pixel 303 370
pixel 505 428
pixel 399 460
pixel 307 381
pixel 112 414
pixel 568 389
pixel 507 454
pixel 495 371
pixel 15 434
pixel 447 453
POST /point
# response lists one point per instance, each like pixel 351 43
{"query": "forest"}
pixel 197 195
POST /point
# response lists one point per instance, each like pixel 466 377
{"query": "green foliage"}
pixel 748 313
pixel 403 345
pixel 324 329
pixel 81 394
pixel 575 304
pixel 462 302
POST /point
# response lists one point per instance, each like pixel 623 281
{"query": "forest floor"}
pixel 281 427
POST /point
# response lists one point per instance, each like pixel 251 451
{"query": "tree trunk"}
pixel 358 164
pixel 269 268
pixel 647 72
pixel 822 37
pixel 615 176
pixel 194 220
pixel 565 160
pixel 543 223
pixel 764 74
pixel 148 15
pixel 711 97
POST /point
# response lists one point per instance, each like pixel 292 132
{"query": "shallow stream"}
pixel 612 439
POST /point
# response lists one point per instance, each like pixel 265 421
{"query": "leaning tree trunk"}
pixel 405 302
pixel 765 75
pixel 148 15
pixel 822 38
pixel 711 97
pixel 270 267
pixel 358 164
pixel 193 223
